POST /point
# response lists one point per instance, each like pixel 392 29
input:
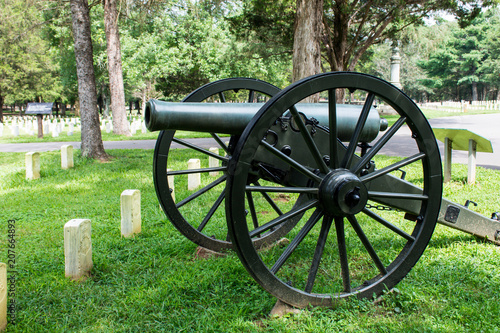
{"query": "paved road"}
pixel 487 126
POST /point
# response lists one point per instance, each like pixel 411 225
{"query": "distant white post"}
pixel 67 156
pixel 171 184
pixel 131 212
pixel 447 159
pixel 77 248
pixel 471 171
pixel 395 64
pixel 32 165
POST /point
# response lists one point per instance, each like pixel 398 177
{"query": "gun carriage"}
pixel 310 173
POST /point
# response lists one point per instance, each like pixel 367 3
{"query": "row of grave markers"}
pixel 56 126
pixel 78 232
pixel 78 245
pixel 32 160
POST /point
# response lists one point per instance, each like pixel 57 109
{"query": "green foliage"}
pixel 27 65
pixel 466 63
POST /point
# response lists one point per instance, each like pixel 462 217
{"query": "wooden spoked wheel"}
pixel 362 227
pixel 199 214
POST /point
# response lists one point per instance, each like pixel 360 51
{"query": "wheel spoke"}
pixel 396 195
pixel 346 161
pixel 220 142
pixel 332 118
pixel 310 190
pixel 297 240
pixel 318 253
pixel 392 167
pixel 388 225
pixel 199 149
pixel 201 191
pixel 251 94
pixel 222 97
pixel 251 206
pixel 344 264
pixel 366 243
pixel 212 211
pixel 294 164
pixel 309 140
pixel 379 144
pixel 189 171
pixel 270 201
pixel 280 219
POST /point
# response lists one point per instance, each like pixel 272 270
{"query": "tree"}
pixel 27 68
pixel 351 26
pixel 120 124
pixel 92 145
pixel 490 67
pixel 306 39
pixel 467 63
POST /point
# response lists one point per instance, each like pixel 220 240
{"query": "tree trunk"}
pixel 120 123
pixel 1 108
pixel 91 146
pixel 306 41
pixel 474 91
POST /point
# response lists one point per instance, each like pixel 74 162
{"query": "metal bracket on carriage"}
pixel 468 202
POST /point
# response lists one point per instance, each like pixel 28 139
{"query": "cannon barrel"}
pixel 232 118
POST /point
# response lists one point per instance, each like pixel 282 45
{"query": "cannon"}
pixel 304 195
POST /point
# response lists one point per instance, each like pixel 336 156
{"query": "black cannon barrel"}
pixel 232 118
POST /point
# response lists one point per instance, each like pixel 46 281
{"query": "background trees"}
pixel 169 48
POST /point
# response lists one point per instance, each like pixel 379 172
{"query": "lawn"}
pixel 155 283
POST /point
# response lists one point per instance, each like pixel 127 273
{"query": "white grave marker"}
pixel 131 212
pixel 71 129
pixel 194 179
pixel 171 184
pixel 77 248
pixel 67 157
pixel 213 162
pixel 32 165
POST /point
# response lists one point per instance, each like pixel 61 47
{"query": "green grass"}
pixel 154 283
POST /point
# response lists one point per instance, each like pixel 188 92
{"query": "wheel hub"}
pixel 341 193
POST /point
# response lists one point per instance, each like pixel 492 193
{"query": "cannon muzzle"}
pixel 232 118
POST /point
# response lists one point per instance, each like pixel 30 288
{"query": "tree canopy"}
pixel 170 48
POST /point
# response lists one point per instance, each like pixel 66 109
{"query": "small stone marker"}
pixel 77 248
pixel 15 130
pixel 194 179
pixel 67 156
pixel 71 128
pixel 131 212
pixel 171 184
pixel 3 296
pixel 213 162
pixel 32 165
